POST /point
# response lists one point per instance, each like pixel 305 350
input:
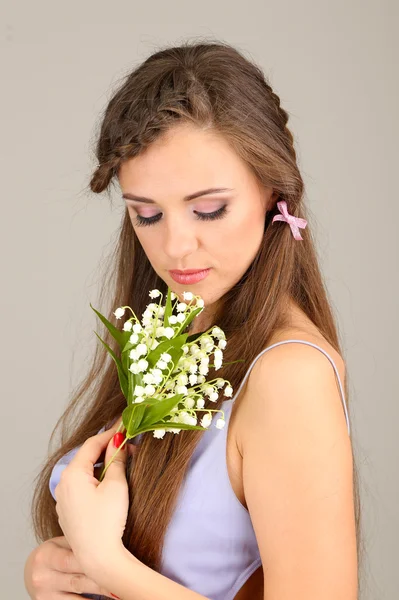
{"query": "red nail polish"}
pixel 119 438
pixel 113 595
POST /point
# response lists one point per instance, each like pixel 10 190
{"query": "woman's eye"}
pixel 217 214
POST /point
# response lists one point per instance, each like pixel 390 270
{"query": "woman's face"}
pixel 184 234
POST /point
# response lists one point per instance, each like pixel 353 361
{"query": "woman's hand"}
pixel 52 572
pixel 92 514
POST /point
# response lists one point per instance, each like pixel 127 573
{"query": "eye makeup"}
pixel 212 216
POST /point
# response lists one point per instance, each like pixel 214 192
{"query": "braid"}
pixel 283 116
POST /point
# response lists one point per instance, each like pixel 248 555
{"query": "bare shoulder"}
pixel 292 377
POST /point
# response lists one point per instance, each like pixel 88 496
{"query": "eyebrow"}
pixel 128 196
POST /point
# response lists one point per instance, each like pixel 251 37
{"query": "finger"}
pixel 89 453
pixel 118 456
pixel 71 583
pixel 78 583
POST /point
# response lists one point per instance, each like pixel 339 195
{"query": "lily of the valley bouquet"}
pixel 162 370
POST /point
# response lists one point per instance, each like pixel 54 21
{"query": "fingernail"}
pixel 113 595
pixel 119 438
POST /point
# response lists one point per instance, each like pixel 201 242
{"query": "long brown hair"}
pixel 209 85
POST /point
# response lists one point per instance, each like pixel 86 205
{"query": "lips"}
pixel 188 271
pixel 190 276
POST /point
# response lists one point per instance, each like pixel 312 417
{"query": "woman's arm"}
pixel 130 579
pixel 298 477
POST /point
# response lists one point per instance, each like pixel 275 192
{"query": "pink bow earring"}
pixel 294 222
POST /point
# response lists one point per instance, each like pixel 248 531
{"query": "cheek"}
pixel 241 240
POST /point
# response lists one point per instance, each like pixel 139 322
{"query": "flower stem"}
pixel 118 450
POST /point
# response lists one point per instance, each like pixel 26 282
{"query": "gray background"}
pixel 335 67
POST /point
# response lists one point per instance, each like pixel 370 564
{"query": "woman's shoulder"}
pixel 282 363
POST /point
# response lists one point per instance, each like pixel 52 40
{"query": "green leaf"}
pixel 119 336
pixel 132 417
pixel 132 385
pixel 168 308
pixel 190 317
pixel 172 346
pixel 158 411
pixel 123 381
pixel 169 426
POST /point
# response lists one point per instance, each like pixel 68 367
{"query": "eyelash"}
pixel 217 214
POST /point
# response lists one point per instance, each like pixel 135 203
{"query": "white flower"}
pixel 152 307
pixel 189 402
pixel 134 368
pixel 218 333
pixel 143 364
pixel 228 391
pixel 182 416
pixel 219 382
pixel 193 368
pixel 220 423
pixel 191 420
pixel 148 378
pixel 181 389
pixel 137 328
pixel 180 318
pixel 138 390
pixel 134 338
pixel 192 379
pixel 200 303
pixel 206 420
pixel 182 379
pixel 141 349
pixel 173 319
pixel 162 365
pixel 200 403
pixel 166 357
pixel 133 354
pixel 173 430
pixel 218 354
pixel 194 348
pixel 203 370
pixel 201 379
pixel 127 326
pixel 154 344
pixel 205 339
pixel 173 296
pixel 139 399
pixel 185 349
pixel 222 344
pixel 159 332
pixel 217 364
pixel 146 321
pixel 188 295
pixel 147 314
pixel 213 397
pixel 159 433
pixel 181 307
pixel 119 313
pixel 154 293
pixel 169 332
pixel 149 390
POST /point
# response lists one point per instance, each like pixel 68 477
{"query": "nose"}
pixel 180 239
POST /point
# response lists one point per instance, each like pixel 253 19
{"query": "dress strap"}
pixel 309 344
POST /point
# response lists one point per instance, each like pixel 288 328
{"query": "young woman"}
pixel 268 506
